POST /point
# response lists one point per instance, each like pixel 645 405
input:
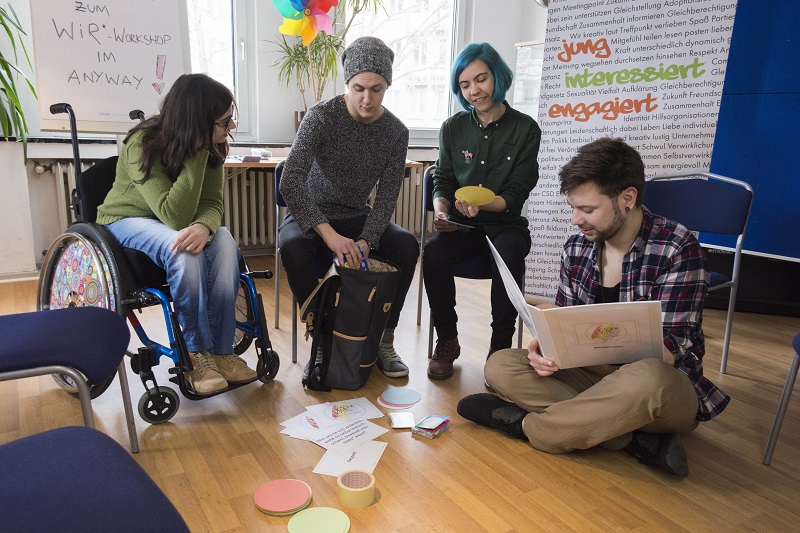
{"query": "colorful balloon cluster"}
pixel 305 18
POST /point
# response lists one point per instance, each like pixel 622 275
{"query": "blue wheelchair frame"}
pixel 157 404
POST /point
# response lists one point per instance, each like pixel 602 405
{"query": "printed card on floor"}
pixel 364 457
pixel 344 438
pixel 334 413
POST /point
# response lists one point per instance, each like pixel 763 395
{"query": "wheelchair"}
pixel 86 266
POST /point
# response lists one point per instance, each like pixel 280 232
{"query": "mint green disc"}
pixel 319 520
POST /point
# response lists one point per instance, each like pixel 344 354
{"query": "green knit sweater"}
pixel 195 196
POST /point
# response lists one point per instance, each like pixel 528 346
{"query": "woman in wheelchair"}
pixel 166 201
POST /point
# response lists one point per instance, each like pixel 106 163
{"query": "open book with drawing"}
pixel 585 335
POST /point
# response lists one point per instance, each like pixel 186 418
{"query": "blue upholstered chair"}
pixel 79 479
pixel 478 267
pixel 707 203
pixel 82 345
pixel 787 393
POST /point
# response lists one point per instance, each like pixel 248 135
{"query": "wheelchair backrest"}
pixel 93 184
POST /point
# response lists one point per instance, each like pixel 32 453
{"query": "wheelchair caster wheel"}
pixel 159 407
pixel 271 357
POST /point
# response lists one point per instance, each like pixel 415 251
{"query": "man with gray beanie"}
pixel 345 147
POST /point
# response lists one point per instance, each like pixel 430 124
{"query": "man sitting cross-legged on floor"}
pixel 622 253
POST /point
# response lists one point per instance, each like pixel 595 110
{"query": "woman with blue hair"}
pixel 494 146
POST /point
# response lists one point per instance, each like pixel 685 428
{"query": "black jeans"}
pixel 305 259
pixel 445 249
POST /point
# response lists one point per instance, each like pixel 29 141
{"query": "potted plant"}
pixel 12 116
pixel 312 67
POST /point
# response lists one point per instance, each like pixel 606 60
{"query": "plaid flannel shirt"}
pixel 664 263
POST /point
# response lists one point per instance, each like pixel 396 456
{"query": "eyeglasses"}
pixel 225 123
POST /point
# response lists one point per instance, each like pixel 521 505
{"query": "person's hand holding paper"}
pixel 544 367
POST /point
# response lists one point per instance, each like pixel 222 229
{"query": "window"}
pixel 210 43
pixel 421 34
pixel 217 40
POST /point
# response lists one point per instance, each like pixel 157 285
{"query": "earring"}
pixel 627 208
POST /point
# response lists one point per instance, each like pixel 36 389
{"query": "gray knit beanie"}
pixel 368 54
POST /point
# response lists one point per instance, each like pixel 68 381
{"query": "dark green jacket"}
pixel 501 156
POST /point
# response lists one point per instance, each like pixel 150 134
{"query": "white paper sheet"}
pixel 334 413
pixel 344 438
pixel 364 457
pixel 303 423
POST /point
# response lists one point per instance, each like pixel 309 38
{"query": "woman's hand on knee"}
pixel 543 367
pixel 192 239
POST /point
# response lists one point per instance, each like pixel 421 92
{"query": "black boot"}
pixel 490 411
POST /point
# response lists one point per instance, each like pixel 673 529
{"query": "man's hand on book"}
pixel 543 367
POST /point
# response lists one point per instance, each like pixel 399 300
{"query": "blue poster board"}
pixel 758 132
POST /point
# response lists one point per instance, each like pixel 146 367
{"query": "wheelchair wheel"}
pixel 159 407
pixel 266 355
pixel 244 313
pixel 270 358
pixel 76 273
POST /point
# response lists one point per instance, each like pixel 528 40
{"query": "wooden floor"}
pixel 212 456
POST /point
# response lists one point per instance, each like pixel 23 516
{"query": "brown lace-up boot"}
pixel 441 364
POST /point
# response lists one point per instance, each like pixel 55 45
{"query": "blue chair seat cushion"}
pixel 718 279
pixel 56 337
pixel 79 479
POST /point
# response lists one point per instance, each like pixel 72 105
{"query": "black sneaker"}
pixel 317 360
pixel 490 411
pixel 665 450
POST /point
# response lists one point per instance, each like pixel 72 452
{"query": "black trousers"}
pixel 445 249
pixel 305 259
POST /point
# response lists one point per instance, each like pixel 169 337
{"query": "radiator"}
pixel 408 212
pixel 249 212
pixel 249 203
pixel 250 206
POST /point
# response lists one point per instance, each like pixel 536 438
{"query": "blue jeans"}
pixel 203 286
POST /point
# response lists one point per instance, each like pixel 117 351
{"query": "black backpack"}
pixel 346 315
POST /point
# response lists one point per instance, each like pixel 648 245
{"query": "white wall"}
pixel 17 256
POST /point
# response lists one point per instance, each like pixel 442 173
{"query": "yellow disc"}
pixel 475 195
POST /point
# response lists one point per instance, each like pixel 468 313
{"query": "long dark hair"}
pixel 185 125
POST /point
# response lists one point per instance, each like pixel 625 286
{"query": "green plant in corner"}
pixel 12 116
pixel 312 67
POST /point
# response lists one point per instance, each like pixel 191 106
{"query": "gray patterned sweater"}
pixel 336 161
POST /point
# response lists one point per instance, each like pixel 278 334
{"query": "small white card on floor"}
pixel 363 457
pixel 401 420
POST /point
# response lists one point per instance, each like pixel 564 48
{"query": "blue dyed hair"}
pixel 499 69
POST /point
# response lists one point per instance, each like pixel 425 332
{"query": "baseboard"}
pixel 766 285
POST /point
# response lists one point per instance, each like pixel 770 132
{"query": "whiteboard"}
pixel 106 58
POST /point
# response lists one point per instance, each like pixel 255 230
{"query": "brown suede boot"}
pixel 441 364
